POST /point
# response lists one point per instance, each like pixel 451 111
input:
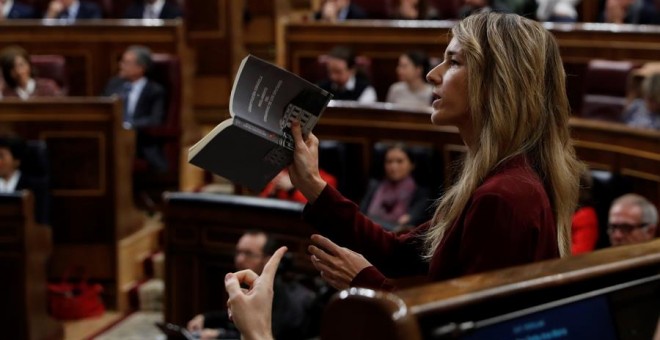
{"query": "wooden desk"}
pixel 24 251
pixel 633 153
pixel 383 41
pixel 421 312
pixel 201 232
pixel 91 182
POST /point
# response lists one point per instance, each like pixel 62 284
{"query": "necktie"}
pixel 126 91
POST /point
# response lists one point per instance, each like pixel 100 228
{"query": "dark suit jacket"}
pixel 21 11
pixel 149 112
pixel 89 10
pixel 150 108
pixel 354 12
pixel 169 11
pixel 39 189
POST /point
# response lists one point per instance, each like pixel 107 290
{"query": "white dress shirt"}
pixel 133 97
pixel 25 93
pixel 367 96
pixel 6 8
pixel 9 186
pixel 152 11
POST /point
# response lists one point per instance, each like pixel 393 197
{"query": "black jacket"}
pixel 169 11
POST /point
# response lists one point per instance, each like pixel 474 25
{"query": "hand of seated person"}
pixel 330 11
pixel 196 324
pixel 338 265
pixel 209 334
pixel 251 309
pixel 54 9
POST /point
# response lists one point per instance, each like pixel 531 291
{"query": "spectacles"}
pixel 247 254
pixel 624 228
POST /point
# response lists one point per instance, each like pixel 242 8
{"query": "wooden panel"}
pixel 23 259
pixel 131 251
pixel 424 311
pixel 90 48
pixel 91 157
pixel 201 231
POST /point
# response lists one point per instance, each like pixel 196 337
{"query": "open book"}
pixel 255 144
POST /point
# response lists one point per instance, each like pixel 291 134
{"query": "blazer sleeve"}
pixel 339 219
pixel 155 108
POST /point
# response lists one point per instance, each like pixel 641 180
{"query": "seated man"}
pixel 340 10
pixel 292 301
pixel 144 101
pixel 12 150
pixel 10 9
pixel 344 81
pixel 632 219
pixel 153 9
pixel 71 10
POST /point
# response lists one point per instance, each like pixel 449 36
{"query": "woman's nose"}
pixel 434 76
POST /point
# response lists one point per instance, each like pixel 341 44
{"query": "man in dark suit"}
pixel 153 9
pixel 71 10
pixel 15 10
pixel 144 101
pixel 14 176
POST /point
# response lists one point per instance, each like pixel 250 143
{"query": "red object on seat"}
pixel 75 300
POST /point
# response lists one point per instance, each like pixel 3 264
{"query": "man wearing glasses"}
pixel 632 219
pixel 292 303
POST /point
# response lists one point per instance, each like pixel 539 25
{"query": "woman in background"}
pixel 412 88
pixel 19 77
pixel 396 202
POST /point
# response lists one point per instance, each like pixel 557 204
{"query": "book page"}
pixel 271 97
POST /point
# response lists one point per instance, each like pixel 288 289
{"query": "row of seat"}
pixel 607 86
pixel 110 8
pixel 166 70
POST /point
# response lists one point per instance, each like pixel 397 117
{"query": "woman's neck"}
pixel 23 83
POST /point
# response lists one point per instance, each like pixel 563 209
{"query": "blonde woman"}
pixel 502 84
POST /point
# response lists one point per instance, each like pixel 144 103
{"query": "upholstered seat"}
pixel 52 67
pixel 166 70
pixel 605 89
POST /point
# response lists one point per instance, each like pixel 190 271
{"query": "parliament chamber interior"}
pixel 116 232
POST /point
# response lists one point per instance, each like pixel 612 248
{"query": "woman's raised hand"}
pixel 304 172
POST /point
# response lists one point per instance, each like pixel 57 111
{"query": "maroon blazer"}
pixel 508 221
pixel 43 88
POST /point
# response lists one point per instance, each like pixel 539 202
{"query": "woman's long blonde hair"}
pixel 518 105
